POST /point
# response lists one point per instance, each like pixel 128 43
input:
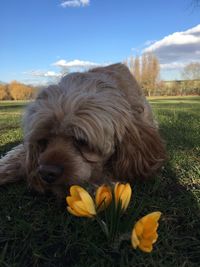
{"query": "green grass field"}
pixel 37 231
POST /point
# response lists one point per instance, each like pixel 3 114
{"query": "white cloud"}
pixel 75 64
pixel 47 74
pixel 177 49
pixel 40 77
pixel 45 77
pixel 36 81
pixel 75 3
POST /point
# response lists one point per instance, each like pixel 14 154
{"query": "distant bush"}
pixel 17 91
pixel 4 95
pixel 180 87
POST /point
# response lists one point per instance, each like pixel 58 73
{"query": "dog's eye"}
pixel 80 143
pixel 42 143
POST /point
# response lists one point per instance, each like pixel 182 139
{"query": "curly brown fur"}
pixel 90 126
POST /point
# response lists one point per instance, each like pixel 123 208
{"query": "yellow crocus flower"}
pixel 80 203
pixel 144 233
pixel 103 197
pixel 122 192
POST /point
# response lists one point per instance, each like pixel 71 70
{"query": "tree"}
pixel 146 70
pixel 191 76
pixel 191 71
pixel 154 71
pixel 134 66
pixel 3 92
pixel 150 73
pixel 144 73
pixel 19 91
pixel 136 69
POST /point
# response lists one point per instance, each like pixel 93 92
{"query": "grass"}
pixel 37 231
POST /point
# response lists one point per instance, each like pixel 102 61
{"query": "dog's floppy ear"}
pixel 31 167
pixel 140 153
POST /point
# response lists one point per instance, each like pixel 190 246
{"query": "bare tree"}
pixel 191 71
pixel 137 70
pixel 150 73
pixel 146 70
pixel 134 66
pixel 191 76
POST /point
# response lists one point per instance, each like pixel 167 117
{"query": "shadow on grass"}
pixel 13 105
pixel 182 99
pixel 7 147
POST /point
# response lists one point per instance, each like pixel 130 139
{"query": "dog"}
pixel 93 127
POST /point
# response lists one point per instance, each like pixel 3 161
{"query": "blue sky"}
pixel 41 38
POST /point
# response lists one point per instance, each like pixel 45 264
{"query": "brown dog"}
pixel 90 127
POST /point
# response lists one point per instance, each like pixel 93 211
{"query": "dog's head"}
pixel 83 128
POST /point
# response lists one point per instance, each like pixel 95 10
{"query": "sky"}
pixel 42 39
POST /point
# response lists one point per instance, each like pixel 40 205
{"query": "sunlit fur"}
pixel 97 124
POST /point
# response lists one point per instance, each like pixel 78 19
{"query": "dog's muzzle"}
pixel 50 173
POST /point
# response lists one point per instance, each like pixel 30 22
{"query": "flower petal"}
pixel 69 200
pixel 73 212
pixel 126 196
pixel 146 248
pixel 144 233
pixel 139 228
pixel 122 192
pixel 88 202
pixel 75 190
pixel 151 218
pixel 80 208
pixel 118 190
pixel 103 197
pixel 134 239
pixel 149 230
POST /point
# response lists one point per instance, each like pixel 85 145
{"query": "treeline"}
pixel 17 91
pixel 180 87
pixel 146 70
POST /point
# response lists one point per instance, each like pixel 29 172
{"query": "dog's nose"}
pixel 49 173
